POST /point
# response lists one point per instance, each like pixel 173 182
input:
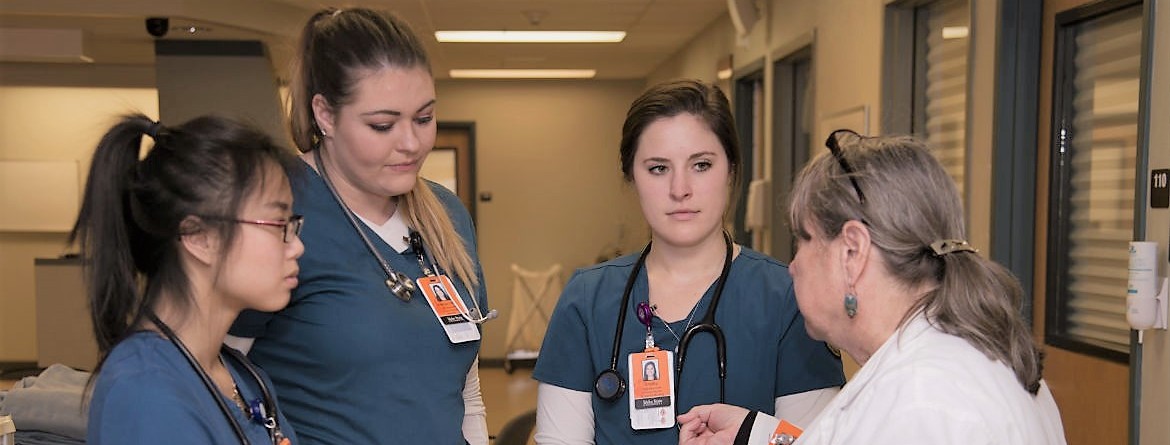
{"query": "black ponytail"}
pixel 103 231
pixel 134 212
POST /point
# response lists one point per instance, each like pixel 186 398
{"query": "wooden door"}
pixel 1092 392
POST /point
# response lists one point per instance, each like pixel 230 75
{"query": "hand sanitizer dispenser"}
pixel 1145 300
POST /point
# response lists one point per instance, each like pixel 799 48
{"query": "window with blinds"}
pixel 1094 155
pixel 941 105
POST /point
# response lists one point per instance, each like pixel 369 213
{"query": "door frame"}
pixel 464 161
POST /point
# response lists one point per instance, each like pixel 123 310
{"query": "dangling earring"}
pixel 850 304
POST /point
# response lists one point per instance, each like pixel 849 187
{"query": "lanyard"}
pixel 416 244
pixel 420 252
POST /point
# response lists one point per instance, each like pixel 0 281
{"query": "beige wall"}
pixel 547 151
pixel 980 116
pixel 700 58
pixel 59 124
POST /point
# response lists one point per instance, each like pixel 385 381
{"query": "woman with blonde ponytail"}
pixel 366 352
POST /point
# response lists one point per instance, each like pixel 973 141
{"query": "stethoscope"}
pixel 610 386
pixel 399 284
pixel 420 251
pixel 262 411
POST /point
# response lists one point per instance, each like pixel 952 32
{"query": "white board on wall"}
pixel 38 196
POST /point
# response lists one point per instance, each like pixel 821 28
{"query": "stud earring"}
pixel 850 304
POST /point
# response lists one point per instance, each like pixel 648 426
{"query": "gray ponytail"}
pixel 910 204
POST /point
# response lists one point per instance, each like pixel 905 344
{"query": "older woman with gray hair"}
pixel 883 271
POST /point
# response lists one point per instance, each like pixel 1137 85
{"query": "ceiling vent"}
pixel 42 45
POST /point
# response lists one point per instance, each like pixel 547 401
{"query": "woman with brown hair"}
pixel 691 282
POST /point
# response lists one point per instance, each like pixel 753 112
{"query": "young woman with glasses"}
pixel 175 246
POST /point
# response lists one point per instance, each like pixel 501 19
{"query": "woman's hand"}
pixel 710 424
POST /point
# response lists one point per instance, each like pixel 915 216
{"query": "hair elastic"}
pixel 946 246
pixel 155 128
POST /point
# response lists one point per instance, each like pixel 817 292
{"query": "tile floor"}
pixel 506 395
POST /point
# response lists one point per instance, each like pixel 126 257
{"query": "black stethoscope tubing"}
pixel 707 324
pixel 397 282
pixel 609 384
pixel 271 423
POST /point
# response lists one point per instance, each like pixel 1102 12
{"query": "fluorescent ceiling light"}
pixel 530 36
pixel 523 74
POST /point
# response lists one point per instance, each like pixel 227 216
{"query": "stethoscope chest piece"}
pixel 609 385
pixel 400 285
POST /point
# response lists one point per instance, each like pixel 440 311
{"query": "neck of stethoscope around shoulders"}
pixel 270 414
pixel 397 282
pixel 705 324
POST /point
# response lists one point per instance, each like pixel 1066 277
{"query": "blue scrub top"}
pixel 353 363
pixel 147 393
pixel 769 353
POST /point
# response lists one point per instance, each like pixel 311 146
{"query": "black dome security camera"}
pixel 158 26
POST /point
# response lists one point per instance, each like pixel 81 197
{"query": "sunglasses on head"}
pixel 835 148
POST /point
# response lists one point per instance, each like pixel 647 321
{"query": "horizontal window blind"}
pixel 1102 137
pixel 946 85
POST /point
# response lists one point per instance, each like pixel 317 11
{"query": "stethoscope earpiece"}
pixel 474 312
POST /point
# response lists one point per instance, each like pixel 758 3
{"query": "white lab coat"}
pixel 924 386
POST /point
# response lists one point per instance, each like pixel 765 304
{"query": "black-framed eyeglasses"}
pixel 291 226
pixel 835 149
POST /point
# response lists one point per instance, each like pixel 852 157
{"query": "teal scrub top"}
pixel 769 353
pixel 353 363
pixel 147 393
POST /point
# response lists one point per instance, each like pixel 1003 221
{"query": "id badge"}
pixel 652 389
pixel 785 434
pixel 448 307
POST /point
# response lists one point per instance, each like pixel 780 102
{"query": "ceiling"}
pixel 113 31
